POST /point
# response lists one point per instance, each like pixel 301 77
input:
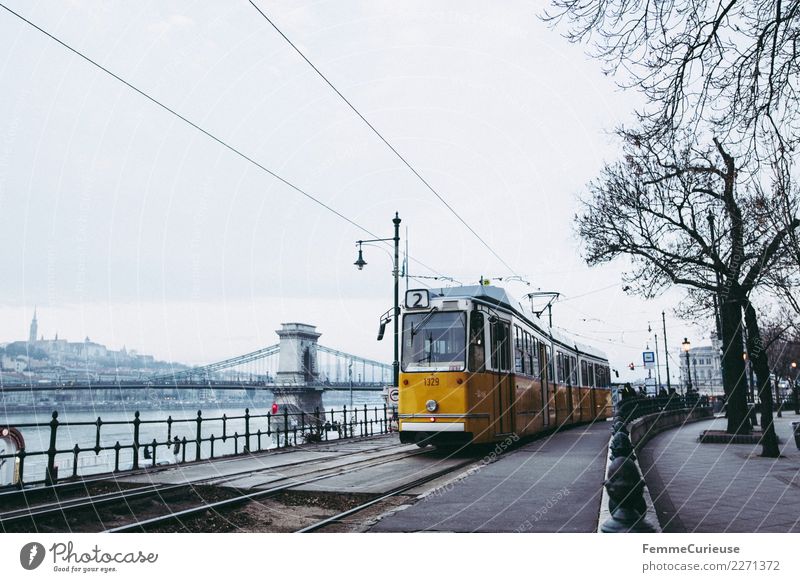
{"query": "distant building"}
pixel 62 358
pixel 706 368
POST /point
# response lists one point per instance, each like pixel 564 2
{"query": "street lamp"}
pixel 361 263
pixel 686 345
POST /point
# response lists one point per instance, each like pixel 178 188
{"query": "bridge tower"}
pixel 298 370
pixel 297 362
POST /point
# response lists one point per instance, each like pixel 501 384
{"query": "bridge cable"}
pixel 201 130
pixel 383 139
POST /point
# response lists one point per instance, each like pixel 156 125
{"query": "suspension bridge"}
pixel 297 363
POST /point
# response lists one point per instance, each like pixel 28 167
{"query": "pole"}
pixel 688 374
pixel 658 363
pixel 350 379
pixel 666 352
pixel 396 363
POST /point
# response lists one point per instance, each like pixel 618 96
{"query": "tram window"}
pixel 518 350
pixel 584 373
pixel 534 355
pixel 526 354
pixel 590 379
pixel 602 375
pixel 500 346
pixel 549 356
pixel 573 371
pixel 477 344
pixel 434 341
pixel 562 376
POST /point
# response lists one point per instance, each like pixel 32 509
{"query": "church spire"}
pixel 34 328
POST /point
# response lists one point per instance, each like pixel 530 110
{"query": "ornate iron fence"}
pixel 631 408
pixel 260 432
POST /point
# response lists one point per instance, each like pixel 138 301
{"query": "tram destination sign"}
pixel 417 299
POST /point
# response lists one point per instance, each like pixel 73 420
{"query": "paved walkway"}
pixel 549 485
pixel 723 488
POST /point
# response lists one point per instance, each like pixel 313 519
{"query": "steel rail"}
pixel 234 501
pixel 57 507
pixel 401 489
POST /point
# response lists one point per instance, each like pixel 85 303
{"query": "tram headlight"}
pixel 431 405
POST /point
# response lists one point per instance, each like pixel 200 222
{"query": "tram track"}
pixel 274 489
pixel 340 517
pixel 57 509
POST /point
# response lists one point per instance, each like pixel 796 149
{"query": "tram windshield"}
pixel 434 341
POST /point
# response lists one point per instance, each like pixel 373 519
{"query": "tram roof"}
pixel 498 296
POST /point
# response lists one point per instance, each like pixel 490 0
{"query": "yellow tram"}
pixel 475 368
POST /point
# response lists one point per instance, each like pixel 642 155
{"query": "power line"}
pixel 204 131
pixel 383 139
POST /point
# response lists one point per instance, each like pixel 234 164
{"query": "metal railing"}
pixel 279 430
pixel 631 408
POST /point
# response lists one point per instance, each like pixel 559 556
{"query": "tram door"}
pixel 545 376
pixel 501 362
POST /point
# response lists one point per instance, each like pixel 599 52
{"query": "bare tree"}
pixel 731 65
pixel 660 207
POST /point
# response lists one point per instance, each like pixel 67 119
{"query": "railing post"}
pixel 21 454
pixel 51 473
pixel 136 423
pixel 224 427
pixel 259 439
pixel 246 430
pixel 75 450
pixel 236 443
pixel 285 427
pixel 98 423
pixel 198 438
pixel 117 447
pixel 385 420
pixel 154 444
pixel 169 428
pixel 344 419
pixel 183 450
pixel 211 440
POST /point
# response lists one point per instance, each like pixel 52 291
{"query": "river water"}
pixel 184 425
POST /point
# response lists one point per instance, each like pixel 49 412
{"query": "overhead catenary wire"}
pixel 205 132
pixel 384 140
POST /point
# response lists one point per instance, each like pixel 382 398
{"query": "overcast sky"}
pixel 121 222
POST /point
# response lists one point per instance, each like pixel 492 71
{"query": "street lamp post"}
pixel 360 263
pixel 686 345
pixel 794 388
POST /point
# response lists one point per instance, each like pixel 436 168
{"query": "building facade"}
pixel 706 368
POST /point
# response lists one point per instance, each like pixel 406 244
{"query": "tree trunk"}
pixel 759 360
pixel 733 370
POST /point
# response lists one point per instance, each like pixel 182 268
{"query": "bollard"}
pixel 626 503
pixel 620 446
pixel 619 426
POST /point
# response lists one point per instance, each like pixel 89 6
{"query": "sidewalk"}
pixel 553 484
pixel 723 488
